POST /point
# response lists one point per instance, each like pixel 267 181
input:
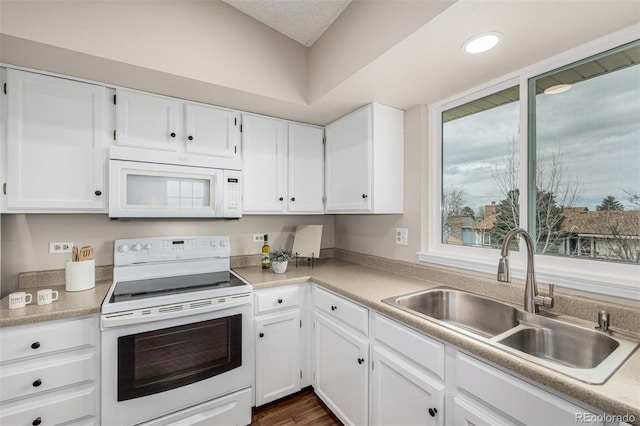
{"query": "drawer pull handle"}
pixel 360 361
pixel 279 300
pixel 35 345
pixel 261 334
pixel 333 308
pixel 37 383
pixel 37 421
pixel 433 412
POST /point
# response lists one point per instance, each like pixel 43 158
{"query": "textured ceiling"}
pixel 301 20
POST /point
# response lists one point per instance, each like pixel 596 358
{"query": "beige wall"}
pixel 207 41
pixel 26 237
pixel 375 234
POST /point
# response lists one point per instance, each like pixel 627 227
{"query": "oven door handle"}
pixel 141 316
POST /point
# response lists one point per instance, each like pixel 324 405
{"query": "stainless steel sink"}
pixel 468 311
pixel 576 350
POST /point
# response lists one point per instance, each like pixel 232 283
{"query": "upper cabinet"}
pixel 364 169
pixel 168 130
pixel 283 166
pixel 56 144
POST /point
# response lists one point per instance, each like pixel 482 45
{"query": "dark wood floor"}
pixel 303 408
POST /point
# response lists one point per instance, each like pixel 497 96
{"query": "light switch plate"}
pixel 402 236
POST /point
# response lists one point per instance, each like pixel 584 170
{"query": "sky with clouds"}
pixel 594 126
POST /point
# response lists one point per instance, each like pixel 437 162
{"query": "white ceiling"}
pixel 301 20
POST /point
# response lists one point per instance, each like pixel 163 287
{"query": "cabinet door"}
pixel 264 151
pixel 341 371
pixel 402 393
pixel 211 131
pixel 348 163
pixel 56 143
pixel 277 356
pixel 306 169
pixel 147 121
pixel 466 413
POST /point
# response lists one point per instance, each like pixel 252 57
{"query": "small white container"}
pixel 279 267
pixel 80 275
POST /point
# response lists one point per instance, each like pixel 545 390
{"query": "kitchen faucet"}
pixel 532 300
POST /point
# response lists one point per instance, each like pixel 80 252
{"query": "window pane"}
pixel 480 168
pixel 586 150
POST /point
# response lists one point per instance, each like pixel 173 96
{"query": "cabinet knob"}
pixel 293 198
pixel 360 361
pixel 173 135
pixel 190 138
pixel 433 412
pixel 261 334
pixel 37 383
pixel 364 195
pixel 98 193
pixel 279 300
pixel 333 308
pixel 281 198
pixel 37 421
pixel 35 345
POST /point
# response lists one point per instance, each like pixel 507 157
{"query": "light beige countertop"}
pixel 619 395
pixel 68 305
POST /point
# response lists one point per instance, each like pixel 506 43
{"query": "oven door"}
pixel 155 368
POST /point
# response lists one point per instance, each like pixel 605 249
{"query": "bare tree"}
pixel 634 198
pixel 453 200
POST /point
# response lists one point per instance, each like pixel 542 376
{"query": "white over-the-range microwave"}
pixel 155 190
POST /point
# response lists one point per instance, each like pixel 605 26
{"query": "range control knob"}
pixel 212 243
pixel 223 243
pixel 136 247
pixel 124 248
pixel 147 246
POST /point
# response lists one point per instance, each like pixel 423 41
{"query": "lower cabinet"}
pixel 341 356
pixel 341 370
pixel 407 385
pixel 49 373
pixel 277 356
pixel 281 342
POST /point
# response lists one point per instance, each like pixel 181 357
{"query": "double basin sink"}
pixel 583 353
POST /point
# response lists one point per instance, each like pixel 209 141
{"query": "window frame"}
pixel 613 279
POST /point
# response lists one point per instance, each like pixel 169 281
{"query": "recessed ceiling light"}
pixel 558 88
pixel 482 43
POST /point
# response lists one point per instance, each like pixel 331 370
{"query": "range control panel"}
pixel 161 249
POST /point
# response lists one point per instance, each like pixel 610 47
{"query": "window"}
pixel 562 164
pixel 585 133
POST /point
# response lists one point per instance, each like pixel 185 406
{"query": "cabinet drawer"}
pixel 514 397
pixel 342 309
pixel 277 298
pixel 425 351
pixel 25 341
pixel 31 378
pixel 53 408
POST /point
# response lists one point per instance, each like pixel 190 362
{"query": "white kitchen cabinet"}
pixel 407 376
pixel 305 170
pixel 280 341
pixel 364 168
pixel 277 355
pixel 57 139
pixel 507 397
pixel 170 130
pixel 49 372
pixel 283 166
pixel 341 364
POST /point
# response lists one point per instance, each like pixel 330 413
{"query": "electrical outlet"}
pixel 402 236
pixel 258 238
pixel 57 248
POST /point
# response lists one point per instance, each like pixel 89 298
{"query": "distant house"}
pixel 608 234
pixel 458 230
pixel 482 229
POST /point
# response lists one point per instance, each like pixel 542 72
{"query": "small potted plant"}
pixel 279 260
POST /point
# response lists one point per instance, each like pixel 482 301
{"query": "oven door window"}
pixel 160 360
